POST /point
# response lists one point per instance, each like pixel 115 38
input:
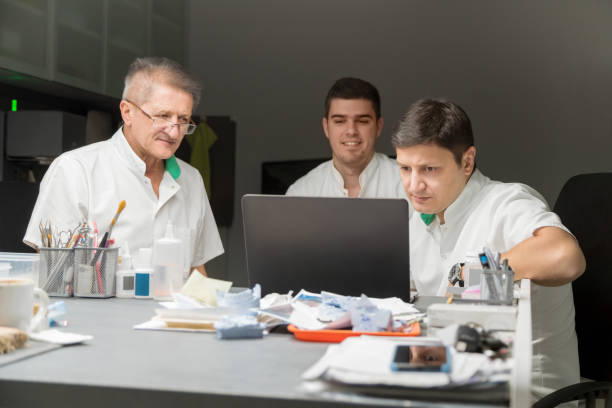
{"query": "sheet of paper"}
pixel 204 289
pixel 60 337
pixel 157 324
pixel 367 360
pixel 305 317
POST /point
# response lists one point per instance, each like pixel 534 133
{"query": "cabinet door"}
pixel 79 43
pixel 127 40
pixel 88 44
pixel 23 36
pixel 168 29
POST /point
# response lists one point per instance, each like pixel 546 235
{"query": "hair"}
pixel 435 121
pixel 164 70
pixel 353 88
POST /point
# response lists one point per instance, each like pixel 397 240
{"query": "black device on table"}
pixel 347 246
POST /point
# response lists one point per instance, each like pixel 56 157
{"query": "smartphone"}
pixel 421 358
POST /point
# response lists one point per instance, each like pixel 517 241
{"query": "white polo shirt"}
pixel 380 179
pixel 499 216
pixel 90 182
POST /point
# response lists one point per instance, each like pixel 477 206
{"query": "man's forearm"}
pixel 551 257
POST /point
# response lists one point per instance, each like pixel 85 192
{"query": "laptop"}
pixel 345 246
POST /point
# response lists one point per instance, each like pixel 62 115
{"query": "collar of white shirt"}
pixel 461 205
pixel 365 176
pixel 135 162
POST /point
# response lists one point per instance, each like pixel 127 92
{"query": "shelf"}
pixel 79 83
pixel 59 90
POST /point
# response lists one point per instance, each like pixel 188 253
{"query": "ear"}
pixel 379 124
pixel 127 111
pixel 325 128
pixel 468 160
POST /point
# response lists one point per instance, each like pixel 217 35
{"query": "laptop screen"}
pixel 340 245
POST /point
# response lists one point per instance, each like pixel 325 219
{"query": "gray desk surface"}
pixel 126 367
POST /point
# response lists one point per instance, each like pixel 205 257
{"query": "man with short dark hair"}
pixel 458 210
pixel 136 164
pixel 352 123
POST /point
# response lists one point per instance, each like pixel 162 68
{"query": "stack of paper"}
pixel 366 360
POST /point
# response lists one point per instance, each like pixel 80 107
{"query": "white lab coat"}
pixel 499 216
pixel 380 179
pixel 89 182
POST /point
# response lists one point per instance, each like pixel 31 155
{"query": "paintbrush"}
pixel 107 233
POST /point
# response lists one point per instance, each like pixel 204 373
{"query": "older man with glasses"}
pixel 136 164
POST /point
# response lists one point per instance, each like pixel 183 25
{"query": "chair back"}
pixel 585 207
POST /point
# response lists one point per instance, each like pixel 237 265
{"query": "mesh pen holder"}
pixel 56 276
pixel 95 270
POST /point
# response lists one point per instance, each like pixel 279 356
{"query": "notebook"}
pixel 345 246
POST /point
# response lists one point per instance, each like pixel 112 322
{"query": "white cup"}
pixel 16 304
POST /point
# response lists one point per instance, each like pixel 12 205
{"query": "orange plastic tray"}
pixel 336 336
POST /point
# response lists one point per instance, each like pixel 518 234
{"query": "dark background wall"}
pixel 535 78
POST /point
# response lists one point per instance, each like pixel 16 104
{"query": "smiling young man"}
pixel 352 124
pixel 458 210
pixel 136 164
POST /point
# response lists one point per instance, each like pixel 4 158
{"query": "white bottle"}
pixel 142 274
pixel 167 265
pixel 125 274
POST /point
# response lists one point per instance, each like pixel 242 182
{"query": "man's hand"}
pixel 200 269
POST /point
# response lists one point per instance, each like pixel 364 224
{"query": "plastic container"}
pixel 497 286
pixel 125 274
pixel 25 266
pixel 186 235
pixel 95 270
pixel 168 264
pixel 336 336
pixel 142 274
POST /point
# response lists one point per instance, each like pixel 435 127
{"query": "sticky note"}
pixel 204 289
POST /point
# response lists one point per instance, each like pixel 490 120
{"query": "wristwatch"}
pixel 454 275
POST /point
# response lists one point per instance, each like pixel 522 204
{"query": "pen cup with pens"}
pixel 497 286
pixel 56 275
pixel 95 270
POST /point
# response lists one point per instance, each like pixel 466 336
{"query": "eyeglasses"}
pixel 161 123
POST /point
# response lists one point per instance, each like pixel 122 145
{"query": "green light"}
pixel 14 105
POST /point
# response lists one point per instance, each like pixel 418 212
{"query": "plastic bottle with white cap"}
pixel 125 273
pixel 167 265
pixel 142 274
